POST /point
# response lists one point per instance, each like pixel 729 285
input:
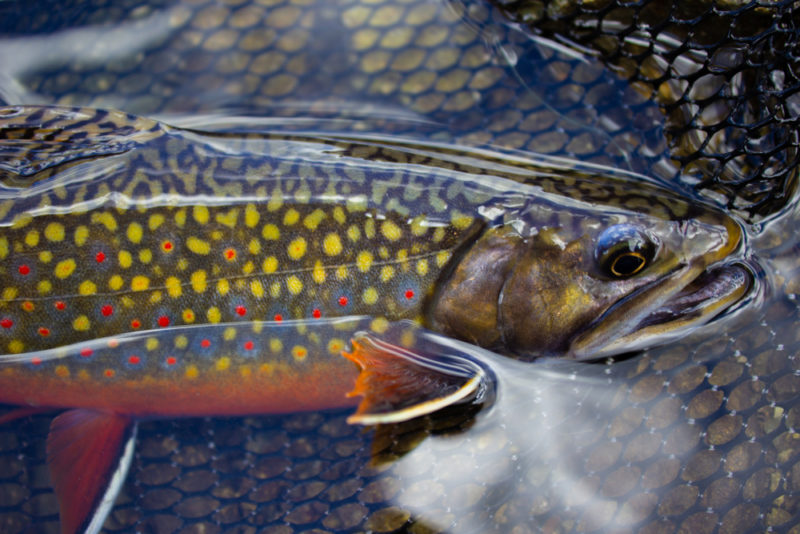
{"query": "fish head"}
pixel 584 283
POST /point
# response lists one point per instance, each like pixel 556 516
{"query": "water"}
pixel 700 434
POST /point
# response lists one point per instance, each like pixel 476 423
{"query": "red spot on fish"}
pixel 86 352
pixel 107 310
pixel 343 301
pixel 60 305
pixel 24 269
pixel 109 373
pixel 248 345
pixel 113 343
pixel 316 313
pixel 205 343
pixel 278 317
pixel 409 294
pixel 171 360
pixel 230 254
pixel 28 306
pixel 163 321
pixel 36 361
pixel 241 310
pixel 166 246
pixel 44 332
pixel 6 323
pixel 134 360
pixel 100 257
pixel 136 323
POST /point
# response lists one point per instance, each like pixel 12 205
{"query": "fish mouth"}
pixel 666 309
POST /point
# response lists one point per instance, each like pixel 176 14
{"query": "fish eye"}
pixel 624 250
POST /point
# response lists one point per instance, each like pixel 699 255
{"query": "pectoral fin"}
pixel 399 383
pixel 88 454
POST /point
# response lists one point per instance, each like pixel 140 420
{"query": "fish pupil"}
pixel 627 264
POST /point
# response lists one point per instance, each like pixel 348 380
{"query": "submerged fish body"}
pixel 151 271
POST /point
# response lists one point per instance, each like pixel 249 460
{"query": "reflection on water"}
pixel 699 436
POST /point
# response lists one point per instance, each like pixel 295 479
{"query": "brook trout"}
pixel 149 271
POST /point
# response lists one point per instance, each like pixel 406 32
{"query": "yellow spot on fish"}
pixel 173 286
pixel 87 287
pixel 213 315
pixel 10 293
pixel 379 325
pixel 127 302
pixel 256 288
pixel 140 283
pixel 270 232
pixel 145 255
pixel 81 323
pixel 422 267
pixel 198 281
pixel 339 215
pixel 183 264
pixel 342 272
pixel 318 273
pixel 248 267
pixel 270 264
pixel 275 290
pixel 191 371
pixel 155 297
pixel 135 232
pixel 229 334
pixel 64 268
pixel 275 345
pixel 228 219
pixel 15 346
pixel 200 214
pixel 81 235
pixel 251 216
pixel 181 342
pixel 3 247
pixel 442 257
pixel 294 285
pixel 438 234
pixel 32 238
pixel 245 371
pixel 370 295
pixel 223 286
pixel 391 231
pixel 62 371
pixel 353 233
pixel 369 228
pixel 387 273
pixel 332 245
pixel 83 374
pixel 364 261
pixel 335 346
pixel 290 217
pixel 266 368
pixel 313 219
pixel 125 259
pixel 180 218
pixel 419 226
pixel 299 353
pixel 151 344
pixel 106 219
pixel 44 287
pixel 197 245
pixel 115 282
pixel 460 220
pixel 254 247
pixel 188 316
pixel 155 220
pixel 45 256
pixel 222 364
pixel 297 248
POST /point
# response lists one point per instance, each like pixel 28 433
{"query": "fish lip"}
pixel 709 294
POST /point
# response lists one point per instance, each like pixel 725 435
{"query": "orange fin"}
pixel 400 383
pixel 88 454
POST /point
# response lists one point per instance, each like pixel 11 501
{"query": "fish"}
pixel 150 271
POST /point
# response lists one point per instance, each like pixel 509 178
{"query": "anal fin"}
pixel 88 454
pixel 399 383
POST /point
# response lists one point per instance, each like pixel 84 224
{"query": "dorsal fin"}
pixel 34 139
pixel 88 454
